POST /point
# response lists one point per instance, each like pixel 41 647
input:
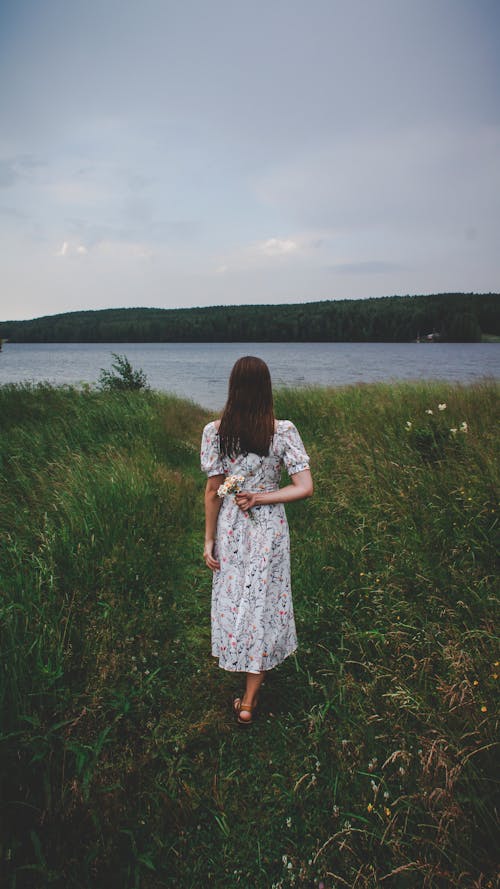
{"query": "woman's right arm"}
pixel 300 487
pixel 212 506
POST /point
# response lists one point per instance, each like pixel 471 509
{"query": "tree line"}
pixel 452 317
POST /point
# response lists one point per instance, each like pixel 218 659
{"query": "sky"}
pixel 190 153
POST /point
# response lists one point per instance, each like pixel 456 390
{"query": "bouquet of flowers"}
pixel 232 485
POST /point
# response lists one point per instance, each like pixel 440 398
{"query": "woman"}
pixel 246 534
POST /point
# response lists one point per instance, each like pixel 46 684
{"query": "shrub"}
pixel 124 377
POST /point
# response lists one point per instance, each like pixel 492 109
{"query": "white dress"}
pixel 253 626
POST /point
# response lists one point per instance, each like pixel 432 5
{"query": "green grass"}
pixel 373 759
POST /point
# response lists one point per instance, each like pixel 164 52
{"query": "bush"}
pixel 125 377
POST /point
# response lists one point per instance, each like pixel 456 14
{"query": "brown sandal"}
pixel 238 706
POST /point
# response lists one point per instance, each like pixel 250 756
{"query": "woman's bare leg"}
pixel 254 682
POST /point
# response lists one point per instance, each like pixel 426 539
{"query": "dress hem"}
pixel 256 672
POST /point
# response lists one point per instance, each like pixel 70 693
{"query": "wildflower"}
pixel 476 682
pixel 429 411
pixel 408 425
pixel 231 485
pixel 454 430
pixel 336 811
pixel 463 427
pixel 288 822
pixel 369 807
pixel 496 664
pixel 284 859
pixel 401 770
pixel 387 811
pixel 386 794
pixel 494 675
pixel 442 407
pixel 484 709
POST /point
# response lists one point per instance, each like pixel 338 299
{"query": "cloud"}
pixel 68 249
pixel 277 247
pixel 413 178
pixel 13 169
pixel 372 267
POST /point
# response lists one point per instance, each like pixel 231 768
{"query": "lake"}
pixel 200 371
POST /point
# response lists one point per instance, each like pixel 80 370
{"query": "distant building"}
pixel 428 337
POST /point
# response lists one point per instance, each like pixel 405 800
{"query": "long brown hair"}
pixel 247 422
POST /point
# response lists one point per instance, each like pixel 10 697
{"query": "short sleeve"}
pixel 210 458
pixel 294 454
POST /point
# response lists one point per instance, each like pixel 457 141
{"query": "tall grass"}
pixel 372 762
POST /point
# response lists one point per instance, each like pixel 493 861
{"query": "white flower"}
pixel 288 822
pixel 454 430
pixel 231 485
pixel 408 425
pixel 464 427
pixel 442 407
pixel 428 411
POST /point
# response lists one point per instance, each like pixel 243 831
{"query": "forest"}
pixel 451 317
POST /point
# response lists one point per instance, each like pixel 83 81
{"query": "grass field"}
pixel 372 762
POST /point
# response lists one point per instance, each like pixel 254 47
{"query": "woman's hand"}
pixel 245 500
pixel 208 554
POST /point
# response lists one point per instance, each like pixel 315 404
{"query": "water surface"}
pixel 200 371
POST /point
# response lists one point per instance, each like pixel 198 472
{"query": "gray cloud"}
pixel 13 169
pixel 373 267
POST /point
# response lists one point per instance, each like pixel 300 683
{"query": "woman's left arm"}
pixel 301 487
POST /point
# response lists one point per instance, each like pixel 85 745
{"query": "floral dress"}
pixel 253 626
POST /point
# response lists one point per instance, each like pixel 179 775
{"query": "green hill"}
pixel 462 317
